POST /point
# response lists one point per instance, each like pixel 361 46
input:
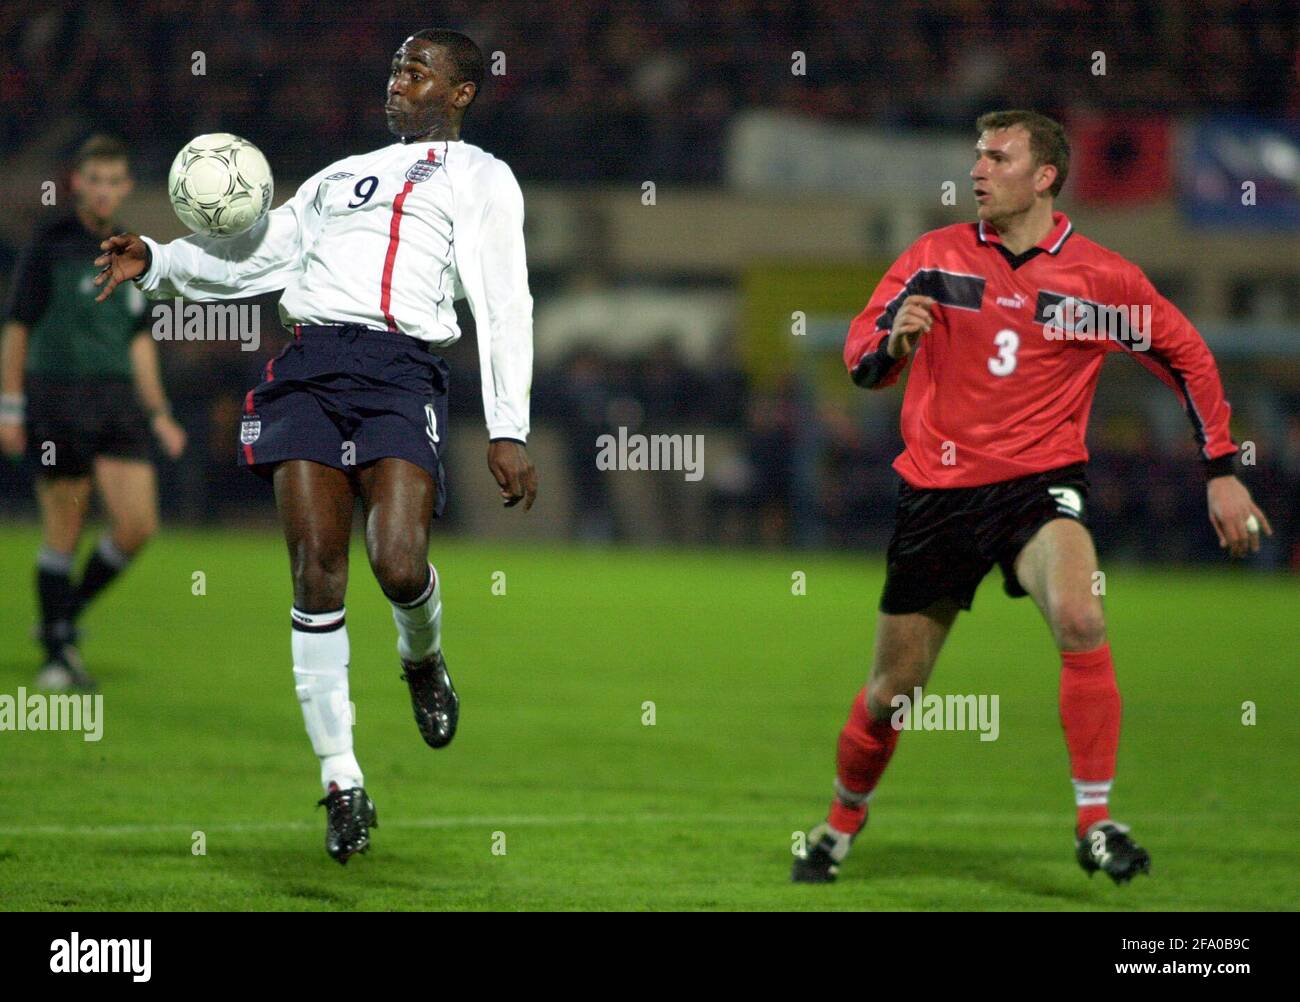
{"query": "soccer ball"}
pixel 220 184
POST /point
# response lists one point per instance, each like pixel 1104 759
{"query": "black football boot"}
pixel 1106 846
pixel 351 815
pixel 434 700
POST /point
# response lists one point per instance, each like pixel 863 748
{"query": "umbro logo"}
pixel 1016 302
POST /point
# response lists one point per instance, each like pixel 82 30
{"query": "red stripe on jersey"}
pixel 394 237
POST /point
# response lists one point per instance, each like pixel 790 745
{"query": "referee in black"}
pixel 80 392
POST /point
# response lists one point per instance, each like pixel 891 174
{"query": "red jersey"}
pixel 1004 379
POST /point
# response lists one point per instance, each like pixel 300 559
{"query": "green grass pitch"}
pixel 750 684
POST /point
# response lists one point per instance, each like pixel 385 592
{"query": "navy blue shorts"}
pixel 346 396
pixel 945 540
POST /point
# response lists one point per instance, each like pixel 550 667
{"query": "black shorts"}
pixel 946 540
pixel 71 421
pixel 346 396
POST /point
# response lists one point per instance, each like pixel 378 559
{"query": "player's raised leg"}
pixel 63 501
pixel 907 647
pixel 1058 567
pixel 398 499
pixel 128 489
pixel 316 503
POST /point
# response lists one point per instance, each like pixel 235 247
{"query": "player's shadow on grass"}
pixel 1016 871
pixel 385 874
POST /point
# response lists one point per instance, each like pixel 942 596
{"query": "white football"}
pixel 220 184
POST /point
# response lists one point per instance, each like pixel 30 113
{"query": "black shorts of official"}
pixel 72 421
pixel 346 396
pixel 945 540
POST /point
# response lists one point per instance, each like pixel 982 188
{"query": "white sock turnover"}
pixel 419 624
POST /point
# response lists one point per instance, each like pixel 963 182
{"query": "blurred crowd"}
pixel 617 89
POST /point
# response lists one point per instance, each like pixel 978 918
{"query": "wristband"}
pixel 875 366
pixel 13 408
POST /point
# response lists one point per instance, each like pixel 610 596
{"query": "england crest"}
pixel 250 429
pixel 421 170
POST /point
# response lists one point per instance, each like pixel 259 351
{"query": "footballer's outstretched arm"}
pixel 1180 357
pixel 204 267
pixel 493 270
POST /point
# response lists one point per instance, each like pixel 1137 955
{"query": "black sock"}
pixel 104 565
pixel 54 588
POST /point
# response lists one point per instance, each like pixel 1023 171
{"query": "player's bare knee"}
pixel 402 577
pixel 1079 626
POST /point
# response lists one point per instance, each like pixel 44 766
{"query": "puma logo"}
pixel 1068 500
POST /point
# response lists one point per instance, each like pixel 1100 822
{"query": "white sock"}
pixel 320 675
pixel 419 625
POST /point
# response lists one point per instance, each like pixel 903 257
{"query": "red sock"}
pixel 864 750
pixel 1090 711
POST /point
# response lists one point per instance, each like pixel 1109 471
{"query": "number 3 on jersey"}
pixel 1004 362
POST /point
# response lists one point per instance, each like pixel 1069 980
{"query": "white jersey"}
pixel 388 239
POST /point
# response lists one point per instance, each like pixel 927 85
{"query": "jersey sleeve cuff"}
pixel 150 279
pixel 1220 466
pixel 874 366
pixel 499 432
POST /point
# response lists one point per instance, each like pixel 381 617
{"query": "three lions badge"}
pixel 421 170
